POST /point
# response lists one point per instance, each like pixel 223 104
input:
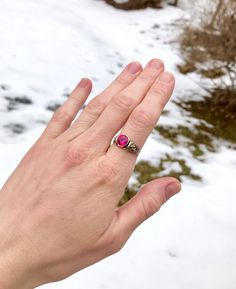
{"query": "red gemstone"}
pixel 122 141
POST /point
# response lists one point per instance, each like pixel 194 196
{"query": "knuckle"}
pixel 61 115
pixel 157 90
pixel 124 101
pixel 149 206
pixel 75 155
pixel 95 106
pixel 161 93
pixel 37 149
pixel 106 172
pixel 142 118
pixel 122 80
pixel 145 76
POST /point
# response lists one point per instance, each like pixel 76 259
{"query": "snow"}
pixel 46 47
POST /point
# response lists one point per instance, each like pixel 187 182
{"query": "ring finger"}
pixel 145 116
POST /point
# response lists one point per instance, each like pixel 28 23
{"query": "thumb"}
pixel 144 204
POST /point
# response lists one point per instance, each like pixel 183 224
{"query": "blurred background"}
pixel 47 46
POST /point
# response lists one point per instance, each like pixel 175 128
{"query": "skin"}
pixel 58 209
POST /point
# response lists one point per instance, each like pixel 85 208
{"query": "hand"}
pixel 58 210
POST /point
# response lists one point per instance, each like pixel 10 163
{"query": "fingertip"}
pixel 84 83
pixel 156 63
pixel 168 186
pixel 172 189
pixel 134 67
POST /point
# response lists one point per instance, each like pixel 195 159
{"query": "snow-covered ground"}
pixel 46 47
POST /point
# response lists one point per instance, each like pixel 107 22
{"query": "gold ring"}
pixel 122 141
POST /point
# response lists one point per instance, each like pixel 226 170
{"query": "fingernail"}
pixel 83 82
pixel 166 77
pixel 133 67
pixel 155 63
pixel 172 189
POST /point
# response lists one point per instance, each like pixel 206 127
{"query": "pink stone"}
pixel 122 141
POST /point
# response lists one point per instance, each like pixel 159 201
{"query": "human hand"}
pixel 58 210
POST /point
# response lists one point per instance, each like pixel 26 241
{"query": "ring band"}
pixel 122 141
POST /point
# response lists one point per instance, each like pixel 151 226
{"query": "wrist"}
pixel 14 265
pixel 13 269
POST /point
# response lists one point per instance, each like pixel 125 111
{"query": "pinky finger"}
pixel 64 115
